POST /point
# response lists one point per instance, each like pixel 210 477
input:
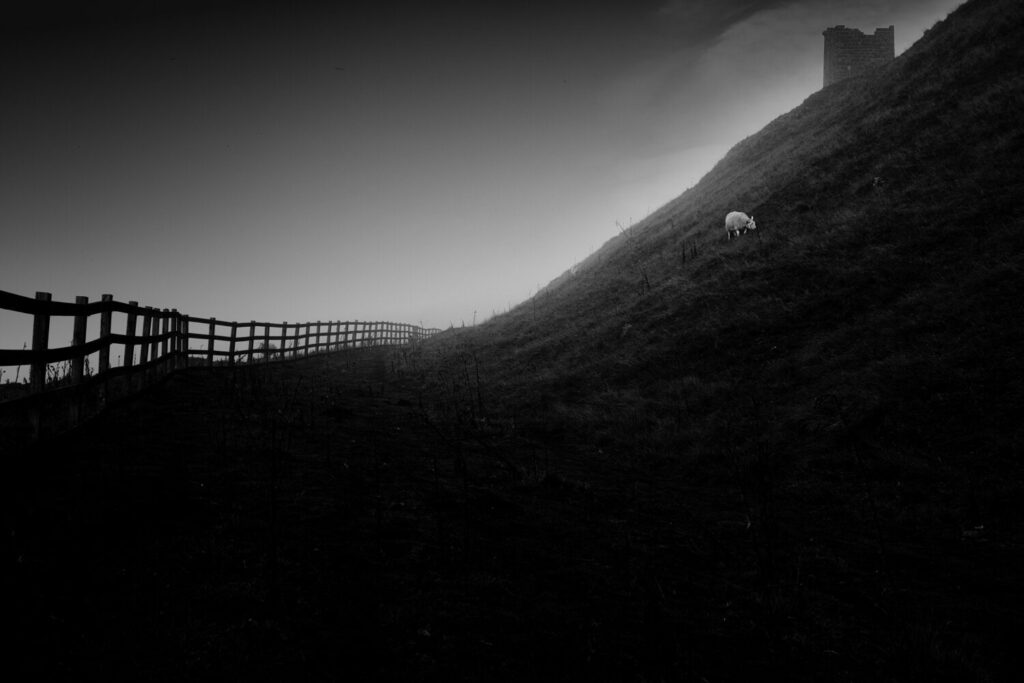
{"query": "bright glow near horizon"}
pixel 419 165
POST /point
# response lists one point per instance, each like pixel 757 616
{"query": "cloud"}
pixel 705 21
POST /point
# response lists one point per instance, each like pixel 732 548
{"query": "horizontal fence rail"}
pixel 155 342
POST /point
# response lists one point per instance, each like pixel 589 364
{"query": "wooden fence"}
pixel 160 345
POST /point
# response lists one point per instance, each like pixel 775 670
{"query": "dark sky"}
pixel 302 161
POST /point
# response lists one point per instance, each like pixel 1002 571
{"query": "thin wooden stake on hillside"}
pixel 77 339
pixel 78 362
pixel 252 339
pixel 165 329
pixel 231 344
pixel 152 325
pixel 209 342
pixel 105 317
pixel 147 321
pixel 129 331
pixel 185 343
pixel 174 345
pixel 37 370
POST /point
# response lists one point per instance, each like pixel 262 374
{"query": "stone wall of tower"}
pixel 848 52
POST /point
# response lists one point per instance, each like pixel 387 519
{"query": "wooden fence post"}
pixel 77 363
pixel 284 337
pixel 231 344
pixel 37 369
pixel 252 339
pixel 40 342
pixel 165 327
pixel 104 333
pixel 105 318
pixel 77 339
pixel 129 331
pixel 146 323
pixel 154 346
pixel 266 343
pixel 175 348
pixel 316 347
pixel 186 339
pixel 209 342
pixel 168 345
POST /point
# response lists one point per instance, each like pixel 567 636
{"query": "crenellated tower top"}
pixel 849 52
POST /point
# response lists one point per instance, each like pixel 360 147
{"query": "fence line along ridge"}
pixel 162 344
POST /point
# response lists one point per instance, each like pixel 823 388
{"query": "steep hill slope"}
pixel 885 273
pixel 850 376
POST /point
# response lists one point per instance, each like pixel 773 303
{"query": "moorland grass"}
pixel 856 360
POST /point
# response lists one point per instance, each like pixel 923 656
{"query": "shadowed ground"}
pixel 321 520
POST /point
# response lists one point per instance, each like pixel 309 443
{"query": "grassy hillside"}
pixel 881 286
pixel 852 371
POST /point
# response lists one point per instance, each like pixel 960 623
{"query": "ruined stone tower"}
pixel 848 52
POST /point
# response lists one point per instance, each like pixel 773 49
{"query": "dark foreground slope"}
pixel 325 520
pixel 316 521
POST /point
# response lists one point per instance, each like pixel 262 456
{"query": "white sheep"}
pixel 737 223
